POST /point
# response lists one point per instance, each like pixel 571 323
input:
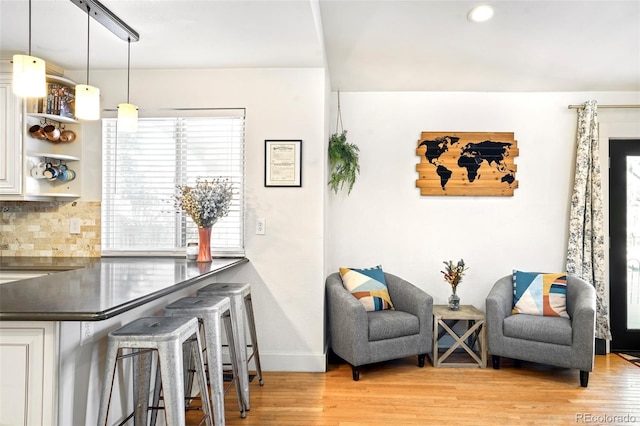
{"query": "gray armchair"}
pixel 360 337
pixel 562 342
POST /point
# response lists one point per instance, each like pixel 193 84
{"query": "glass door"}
pixel 624 230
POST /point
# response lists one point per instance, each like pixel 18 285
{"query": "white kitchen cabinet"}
pixel 10 138
pixel 28 360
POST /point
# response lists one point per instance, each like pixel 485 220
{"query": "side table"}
pixel 473 341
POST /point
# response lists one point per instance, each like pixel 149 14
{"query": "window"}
pixel 139 177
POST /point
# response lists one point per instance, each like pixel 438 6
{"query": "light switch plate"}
pixel 74 225
pixel 261 226
pixel 86 332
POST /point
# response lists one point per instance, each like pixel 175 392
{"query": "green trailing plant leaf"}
pixel 343 160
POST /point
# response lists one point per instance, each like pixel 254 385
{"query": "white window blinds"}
pixel 140 172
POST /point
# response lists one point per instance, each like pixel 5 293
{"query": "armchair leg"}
pixel 355 371
pixel 495 360
pixel 584 378
pixel 421 358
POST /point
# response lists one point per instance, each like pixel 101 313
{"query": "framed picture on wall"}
pixel 283 163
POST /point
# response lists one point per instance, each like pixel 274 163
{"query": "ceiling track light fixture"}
pixel 87 97
pixel 107 18
pixel 127 112
pixel 29 73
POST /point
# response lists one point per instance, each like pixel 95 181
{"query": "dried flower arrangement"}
pixel 454 273
pixel 207 202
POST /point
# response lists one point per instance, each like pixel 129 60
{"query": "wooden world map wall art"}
pixel 467 163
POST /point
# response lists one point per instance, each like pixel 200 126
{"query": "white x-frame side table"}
pixel 473 341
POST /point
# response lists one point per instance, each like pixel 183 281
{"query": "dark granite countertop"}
pixel 45 263
pixel 99 288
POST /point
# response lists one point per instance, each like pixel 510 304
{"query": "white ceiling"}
pixel 369 45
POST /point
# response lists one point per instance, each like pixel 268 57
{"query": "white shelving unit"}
pixel 36 151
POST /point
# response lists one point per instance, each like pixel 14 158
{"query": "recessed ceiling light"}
pixel 480 13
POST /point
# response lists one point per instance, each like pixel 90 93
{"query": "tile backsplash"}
pixel 41 229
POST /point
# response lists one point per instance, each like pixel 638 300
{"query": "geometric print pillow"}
pixel 368 286
pixel 540 294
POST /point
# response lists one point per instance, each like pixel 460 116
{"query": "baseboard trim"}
pixel 310 363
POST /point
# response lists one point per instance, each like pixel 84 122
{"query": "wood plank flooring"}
pixel 400 393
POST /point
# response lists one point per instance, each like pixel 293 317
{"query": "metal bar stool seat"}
pixel 241 311
pixel 212 312
pixel 165 335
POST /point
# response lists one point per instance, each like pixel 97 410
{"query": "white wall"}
pixel 386 221
pixel 311 232
pixel 287 264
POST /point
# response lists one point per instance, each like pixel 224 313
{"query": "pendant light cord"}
pixel 88 25
pixel 128 65
pixel 29 27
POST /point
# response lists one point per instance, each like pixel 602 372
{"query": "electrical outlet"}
pixel 74 225
pixel 86 332
pixel 261 226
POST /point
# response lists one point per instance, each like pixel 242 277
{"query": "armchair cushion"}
pixel 539 329
pixel 368 286
pixel 540 294
pixel 391 324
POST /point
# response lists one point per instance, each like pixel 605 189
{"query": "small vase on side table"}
pixel 454 301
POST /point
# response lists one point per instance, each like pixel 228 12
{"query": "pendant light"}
pixel 87 97
pixel 29 73
pixel 128 113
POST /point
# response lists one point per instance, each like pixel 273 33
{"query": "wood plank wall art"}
pixel 467 163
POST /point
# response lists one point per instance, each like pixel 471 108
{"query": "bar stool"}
pixel 241 311
pixel 165 335
pixel 211 312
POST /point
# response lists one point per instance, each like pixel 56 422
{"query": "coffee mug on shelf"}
pixel 65 174
pixel 37 171
pixel 52 171
pixel 52 133
pixel 37 132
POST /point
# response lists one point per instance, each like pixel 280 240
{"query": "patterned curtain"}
pixel 585 254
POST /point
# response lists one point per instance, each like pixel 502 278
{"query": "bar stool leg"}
pixel 234 362
pixel 156 397
pixel 188 370
pixel 170 371
pixel 107 385
pixel 213 342
pixel 141 380
pixel 254 338
pixel 240 342
pixel 196 354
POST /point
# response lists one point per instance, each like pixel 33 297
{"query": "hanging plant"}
pixel 343 158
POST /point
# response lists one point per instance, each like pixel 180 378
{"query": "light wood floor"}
pixel 400 393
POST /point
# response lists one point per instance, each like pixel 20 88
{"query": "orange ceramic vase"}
pixel 204 245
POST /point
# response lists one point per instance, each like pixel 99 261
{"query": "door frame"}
pixel 622 338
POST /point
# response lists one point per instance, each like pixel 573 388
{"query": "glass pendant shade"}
pixel 127 118
pixel 87 102
pixel 29 76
